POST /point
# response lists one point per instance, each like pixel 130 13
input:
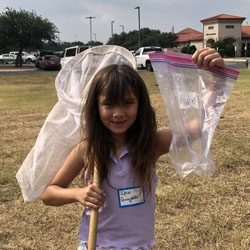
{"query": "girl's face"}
pixel 118 118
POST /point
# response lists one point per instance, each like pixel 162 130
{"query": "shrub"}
pixel 229 50
pixel 188 49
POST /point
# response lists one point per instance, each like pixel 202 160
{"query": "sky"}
pixel 70 16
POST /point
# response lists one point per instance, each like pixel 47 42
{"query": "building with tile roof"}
pixel 189 37
pixel 222 27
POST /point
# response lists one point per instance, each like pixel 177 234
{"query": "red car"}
pixel 50 62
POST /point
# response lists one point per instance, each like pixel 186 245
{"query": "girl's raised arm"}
pixel 205 57
pixel 163 141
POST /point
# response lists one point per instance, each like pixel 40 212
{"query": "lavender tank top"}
pixel 120 226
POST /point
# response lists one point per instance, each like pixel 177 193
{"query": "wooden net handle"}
pixel 93 216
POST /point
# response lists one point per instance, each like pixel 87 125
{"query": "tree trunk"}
pixel 19 60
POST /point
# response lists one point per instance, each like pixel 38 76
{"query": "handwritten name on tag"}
pixel 131 196
pixel 188 100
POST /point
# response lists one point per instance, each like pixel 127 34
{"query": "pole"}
pixel 112 31
pixel 139 24
pixel 122 27
pixel 90 23
pixel 93 216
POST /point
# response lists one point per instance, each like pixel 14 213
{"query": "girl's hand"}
pixel 207 57
pixel 90 196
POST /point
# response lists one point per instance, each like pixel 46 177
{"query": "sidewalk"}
pixel 12 68
pixel 233 59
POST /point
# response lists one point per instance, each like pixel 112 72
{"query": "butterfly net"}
pixel 61 130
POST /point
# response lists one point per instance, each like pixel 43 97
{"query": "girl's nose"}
pixel 118 112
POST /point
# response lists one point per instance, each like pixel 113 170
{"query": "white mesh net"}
pixel 62 130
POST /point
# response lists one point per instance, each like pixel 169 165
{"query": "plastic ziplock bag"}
pixel 62 130
pixel 194 98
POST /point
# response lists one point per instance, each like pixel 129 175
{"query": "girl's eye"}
pixel 106 104
pixel 129 103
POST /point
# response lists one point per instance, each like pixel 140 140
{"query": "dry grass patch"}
pixel 197 213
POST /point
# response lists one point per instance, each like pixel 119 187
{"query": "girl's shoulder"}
pixel 163 141
pixel 78 153
pixel 81 149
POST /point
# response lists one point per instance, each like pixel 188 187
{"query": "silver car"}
pixel 7 58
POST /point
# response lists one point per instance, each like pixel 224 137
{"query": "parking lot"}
pixel 30 69
pixel 26 69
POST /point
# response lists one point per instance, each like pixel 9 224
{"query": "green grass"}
pixel 196 213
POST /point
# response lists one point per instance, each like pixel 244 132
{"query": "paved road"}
pixel 27 69
pixel 235 64
pixel 30 69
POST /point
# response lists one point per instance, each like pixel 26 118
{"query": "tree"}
pixel 24 29
pixel 184 49
pixel 220 47
pixel 94 43
pixel 229 50
pixel 167 39
pixel 191 49
pixel 149 37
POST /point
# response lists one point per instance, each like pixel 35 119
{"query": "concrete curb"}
pixel 234 59
pixel 17 70
pixel 7 68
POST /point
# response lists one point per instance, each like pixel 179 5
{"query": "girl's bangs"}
pixel 116 87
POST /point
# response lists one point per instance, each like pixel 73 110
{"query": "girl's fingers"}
pixel 207 57
pixel 216 61
pixel 204 56
pixel 91 205
pixel 90 196
pixel 197 57
pixel 95 195
pixel 96 190
pixel 94 201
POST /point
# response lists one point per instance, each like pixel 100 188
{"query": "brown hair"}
pixel 116 80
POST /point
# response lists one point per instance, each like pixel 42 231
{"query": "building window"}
pixel 210 27
pixel 229 26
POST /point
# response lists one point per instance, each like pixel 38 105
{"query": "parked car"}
pixel 41 55
pixel 26 57
pixel 50 62
pixel 7 58
pixel 247 61
pixel 142 57
pixel 59 53
pixel 133 52
pixel 70 52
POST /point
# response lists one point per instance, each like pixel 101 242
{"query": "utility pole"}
pixel 112 22
pixel 122 27
pixel 90 18
pixel 139 24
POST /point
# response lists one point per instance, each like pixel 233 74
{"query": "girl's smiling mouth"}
pixel 118 123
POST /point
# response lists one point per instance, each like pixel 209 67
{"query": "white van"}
pixel 70 52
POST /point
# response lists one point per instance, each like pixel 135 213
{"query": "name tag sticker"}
pixel 131 196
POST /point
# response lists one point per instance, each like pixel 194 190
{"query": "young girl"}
pixel 123 141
